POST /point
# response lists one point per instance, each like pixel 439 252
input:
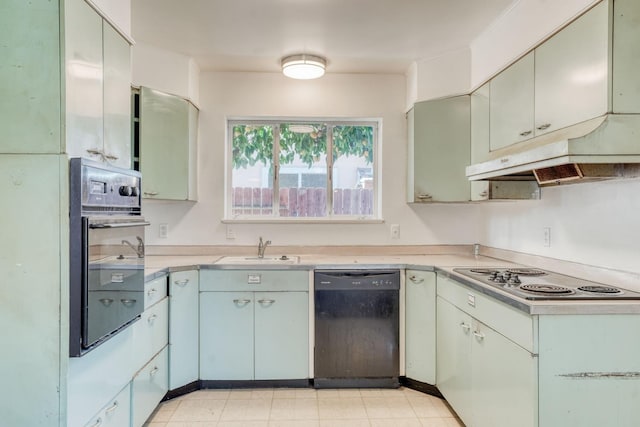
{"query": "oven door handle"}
pixel 120 225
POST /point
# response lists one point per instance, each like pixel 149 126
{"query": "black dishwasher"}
pixel 357 328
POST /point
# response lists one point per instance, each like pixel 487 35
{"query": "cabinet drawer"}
pixel 115 413
pixel 254 280
pixel 154 291
pixel 508 321
pixel 149 387
pixel 151 332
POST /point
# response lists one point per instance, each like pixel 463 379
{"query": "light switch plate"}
pixel 163 230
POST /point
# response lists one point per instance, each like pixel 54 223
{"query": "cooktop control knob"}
pixel 514 280
pixel 135 191
pixel 125 190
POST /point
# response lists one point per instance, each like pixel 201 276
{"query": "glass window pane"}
pixel 353 152
pixel 302 175
pixel 252 170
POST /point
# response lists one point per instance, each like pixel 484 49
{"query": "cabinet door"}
pixel 84 77
pixel 571 73
pixel 183 328
pixel 117 98
pixel 441 150
pixel 453 374
pixel 164 145
pixel 420 315
pixel 30 75
pixel 148 388
pixel 226 335
pixel 502 372
pixel 511 104
pixel 281 335
pixel 151 332
pixel 116 413
pixel 480 117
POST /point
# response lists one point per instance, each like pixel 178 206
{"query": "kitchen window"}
pixel 302 170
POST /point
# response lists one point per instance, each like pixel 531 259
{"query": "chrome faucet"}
pixel 139 250
pixel 262 246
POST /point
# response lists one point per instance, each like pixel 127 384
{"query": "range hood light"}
pixel 303 67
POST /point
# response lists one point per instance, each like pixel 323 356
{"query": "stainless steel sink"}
pixel 248 260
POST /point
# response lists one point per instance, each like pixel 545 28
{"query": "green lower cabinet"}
pixel 454 358
pixel 590 370
pixel 254 335
pixel 183 328
pixel 117 412
pixel 503 380
pixel 488 379
pixel 281 335
pixel 148 388
pixel 226 335
pixel 420 326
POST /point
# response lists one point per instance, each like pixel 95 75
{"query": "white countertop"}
pixel 156 264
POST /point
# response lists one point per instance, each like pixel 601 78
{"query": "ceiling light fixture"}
pixel 303 66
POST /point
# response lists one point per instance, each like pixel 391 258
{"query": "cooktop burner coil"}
pixel 600 289
pixel 547 289
pixel 483 270
pixel 526 272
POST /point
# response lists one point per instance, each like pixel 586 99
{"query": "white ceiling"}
pixel 356 36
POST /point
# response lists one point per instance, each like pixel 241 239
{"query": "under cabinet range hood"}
pixel 602 148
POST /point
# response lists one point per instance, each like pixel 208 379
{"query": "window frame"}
pixel 330 217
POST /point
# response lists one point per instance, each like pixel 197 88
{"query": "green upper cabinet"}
pixel 586 70
pixel 98 82
pixel 117 97
pixel 168 128
pixel 571 73
pixel 30 114
pixel 84 76
pixel 439 150
pixel 511 104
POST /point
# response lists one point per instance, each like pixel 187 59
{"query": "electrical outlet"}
pixel 547 237
pixel 395 231
pixel 231 233
pixel 163 230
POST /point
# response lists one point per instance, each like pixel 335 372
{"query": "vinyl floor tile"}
pixel 304 407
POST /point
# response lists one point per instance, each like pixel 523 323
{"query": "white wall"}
pixel 518 30
pixel 166 71
pixel 592 223
pixel 445 75
pixel 334 95
pixel 118 11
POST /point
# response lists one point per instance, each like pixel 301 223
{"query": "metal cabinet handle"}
pixel 483 193
pixel 97 423
pixel 526 133
pixel 465 327
pixel 416 279
pixel 128 302
pixel 241 302
pixel 151 193
pixel 154 371
pixel 479 336
pixel 111 156
pixel 152 318
pixel 181 283
pixel 112 407
pixel 95 152
pixel 106 301
pixel 424 196
pixel 152 291
pixel 266 301
pixel 544 126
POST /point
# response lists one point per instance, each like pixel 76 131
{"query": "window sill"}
pixel 302 221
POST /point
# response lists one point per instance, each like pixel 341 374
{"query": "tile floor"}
pixel 304 407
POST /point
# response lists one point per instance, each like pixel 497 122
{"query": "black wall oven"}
pixel 106 253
